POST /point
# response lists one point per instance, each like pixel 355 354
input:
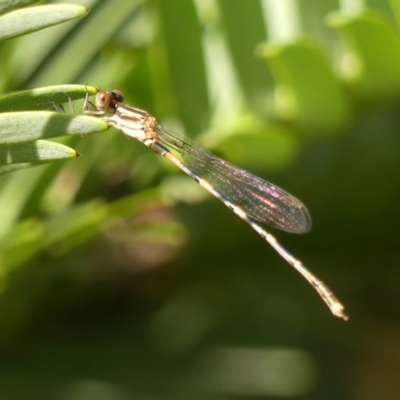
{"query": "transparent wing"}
pixel 260 199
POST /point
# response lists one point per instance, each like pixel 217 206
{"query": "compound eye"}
pixel 103 99
pixel 118 96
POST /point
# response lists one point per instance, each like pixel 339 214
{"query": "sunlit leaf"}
pixel 23 21
pixel 31 152
pixel 43 98
pixel 8 5
pixel 26 126
pixel 371 53
pixel 307 92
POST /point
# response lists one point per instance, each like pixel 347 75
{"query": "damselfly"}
pixel 248 196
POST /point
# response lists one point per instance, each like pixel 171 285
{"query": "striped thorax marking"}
pixel 248 196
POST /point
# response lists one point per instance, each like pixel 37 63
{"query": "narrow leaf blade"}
pixel 43 98
pixel 32 152
pixel 26 126
pixel 20 22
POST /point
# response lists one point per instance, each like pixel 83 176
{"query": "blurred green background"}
pixel 122 279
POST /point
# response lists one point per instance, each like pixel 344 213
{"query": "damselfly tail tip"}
pixel 338 311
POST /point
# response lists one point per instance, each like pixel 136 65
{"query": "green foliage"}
pixel 118 278
pixel 32 19
pixel 307 92
pixel 43 98
pixel 26 126
pixel 372 63
pixel 34 152
pixel 8 5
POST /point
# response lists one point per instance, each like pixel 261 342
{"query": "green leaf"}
pixel 32 152
pixel 26 126
pixel 75 226
pixel 272 148
pixel 8 5
pixel 307 92
pixel 15 192
pixel 182 34
pixel 21 22
pixel 87 42
pixel 254 77
pixel 395 5
pixel 22 242
pixel 43 98
pixel 6 169
pixel 371 59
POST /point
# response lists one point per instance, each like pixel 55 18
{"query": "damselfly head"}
pixel 107 100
